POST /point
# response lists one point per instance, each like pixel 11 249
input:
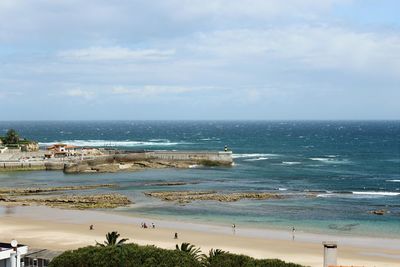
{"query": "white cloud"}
pixel 305 47
pixel 115 53
pixel 152 90
pixel 79 93
pixel 7 94
pixel 253 9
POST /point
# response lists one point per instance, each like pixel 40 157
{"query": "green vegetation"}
pixel 111 240
pixel 118 254
pixel 12 137
pixel 13 140
pixel 191 250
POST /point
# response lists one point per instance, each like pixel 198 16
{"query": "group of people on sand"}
pixel 144 225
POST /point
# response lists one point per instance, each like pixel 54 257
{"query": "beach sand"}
pixel 56 229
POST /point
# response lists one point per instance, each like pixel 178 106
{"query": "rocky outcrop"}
pixel 99 201
pixel 105 165
pixel 188 196
pixel 59 198
pixel 41 190
pixel 378 212
pixel 137 161
pixel 30 147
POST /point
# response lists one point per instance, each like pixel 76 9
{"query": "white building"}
pixel 10 254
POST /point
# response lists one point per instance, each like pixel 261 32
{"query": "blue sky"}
pixel 196 59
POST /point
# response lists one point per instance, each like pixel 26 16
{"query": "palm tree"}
pixel 12 137
pixel 212 254
pixel 191 250
pixel 111 240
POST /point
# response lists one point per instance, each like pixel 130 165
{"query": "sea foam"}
pixel 254 155
pixel 256 159
pixel 114 143
pixel 376 193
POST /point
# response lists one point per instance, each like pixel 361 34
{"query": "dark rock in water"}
pixel 345 227
pixel 378 212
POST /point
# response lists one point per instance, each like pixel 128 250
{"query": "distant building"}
pixel 62 150
pixel 65 150
pixel 11 256
pixel 39 257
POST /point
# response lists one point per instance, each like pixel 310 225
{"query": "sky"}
pixel 199 59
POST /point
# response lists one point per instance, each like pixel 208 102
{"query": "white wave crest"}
pixel 376 193
pixel 290 162
pixel 393 181
pixel 331 160
pixel 113 143
pixel 256 159
pixel 282 189
pixel 254 155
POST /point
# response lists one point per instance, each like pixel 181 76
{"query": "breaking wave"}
pixel 254 155
pixel 358 194
pixel 331 160
pixel 114 143
pixel 256 159
pixel 377 193
pixel 393 181
pixel 290 162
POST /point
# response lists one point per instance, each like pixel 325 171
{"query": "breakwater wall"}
pixel 218 156
pixel 31 166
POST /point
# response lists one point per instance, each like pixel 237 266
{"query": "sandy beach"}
pixel 57 229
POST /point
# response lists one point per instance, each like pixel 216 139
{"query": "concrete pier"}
pixel 219 156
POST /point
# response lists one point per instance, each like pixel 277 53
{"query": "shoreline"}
pixel 68 229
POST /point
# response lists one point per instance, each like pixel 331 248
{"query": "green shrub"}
pixel 127 255
pixel 234 260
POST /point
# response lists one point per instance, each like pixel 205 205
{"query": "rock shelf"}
pixel 39 196
pixel 39 190
pixel 189 196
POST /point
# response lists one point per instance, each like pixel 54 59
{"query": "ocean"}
pixel 332 172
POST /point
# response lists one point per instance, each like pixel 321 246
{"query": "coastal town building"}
pixel 62 150
pixel 39 257
pixel 11 254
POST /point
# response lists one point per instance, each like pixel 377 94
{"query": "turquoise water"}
pixel 349 167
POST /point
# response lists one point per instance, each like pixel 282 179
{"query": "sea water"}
pixel 333 173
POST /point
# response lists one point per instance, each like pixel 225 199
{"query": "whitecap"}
pixel 282 189
pixel 320 159
pixel 194 166
pixel 393 181
pixel 256 159
pixel 376 193
pixel 331 160
pixel 254 155
pixel 113 143
pixel 290 162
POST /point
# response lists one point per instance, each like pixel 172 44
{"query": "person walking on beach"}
pixel 153 226
pixel 234 228
pixel 176 236
pixel 91 227
pixel 293 232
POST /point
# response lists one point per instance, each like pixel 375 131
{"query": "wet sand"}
pixel 69 229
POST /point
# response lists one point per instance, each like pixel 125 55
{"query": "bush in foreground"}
pixel 132 255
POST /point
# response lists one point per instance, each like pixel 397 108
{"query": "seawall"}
pixel 217 156
pixel 31 166
pixel 150 160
